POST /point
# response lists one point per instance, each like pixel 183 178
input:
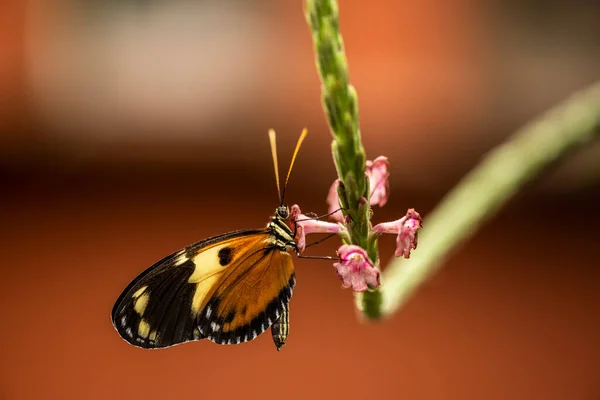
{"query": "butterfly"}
pixel 227 288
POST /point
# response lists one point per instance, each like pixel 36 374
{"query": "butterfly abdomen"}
pixel 281 329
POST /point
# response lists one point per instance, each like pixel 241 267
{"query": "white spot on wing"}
pixel 129 332
pixel 215 326
pixel 277 313
pixel 246 337
pixel 123 320
pixel 253 335
pixel 208 311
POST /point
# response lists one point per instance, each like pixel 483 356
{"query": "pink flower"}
pixel 378 173
pixel 355 268
pixel 406 228
pixel 305 225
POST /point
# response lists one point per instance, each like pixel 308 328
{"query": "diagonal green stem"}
pixel 341 107
pixel 541 143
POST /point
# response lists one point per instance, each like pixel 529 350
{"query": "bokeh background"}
pixel 131 128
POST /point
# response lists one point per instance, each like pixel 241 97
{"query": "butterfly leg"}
pixel 320 240
pixel 314 216
pixel 281 328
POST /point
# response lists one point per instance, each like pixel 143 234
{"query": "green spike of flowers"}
pixel 340 102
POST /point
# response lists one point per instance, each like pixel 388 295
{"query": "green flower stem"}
pixel 341 106
pixel 540 143
pixel 475 199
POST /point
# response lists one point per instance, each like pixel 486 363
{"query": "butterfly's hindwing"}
pixel 240 312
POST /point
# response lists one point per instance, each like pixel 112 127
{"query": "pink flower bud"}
pixel 378 173
pixel 334 202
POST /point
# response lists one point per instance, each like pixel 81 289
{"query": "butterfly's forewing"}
pixel 201 291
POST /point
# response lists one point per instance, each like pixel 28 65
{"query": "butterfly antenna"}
pixel 300 140
pixel 275 164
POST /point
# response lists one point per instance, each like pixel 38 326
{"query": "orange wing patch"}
pixel 261 284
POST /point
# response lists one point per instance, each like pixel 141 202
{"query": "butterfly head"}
pixel 283 212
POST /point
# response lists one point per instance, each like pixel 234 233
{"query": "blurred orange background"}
pixel 129 129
